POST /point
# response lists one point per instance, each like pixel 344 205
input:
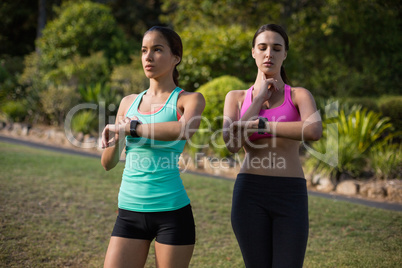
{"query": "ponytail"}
pixel 176 76
pixel 284 76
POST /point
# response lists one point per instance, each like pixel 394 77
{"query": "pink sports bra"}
pixel 286 112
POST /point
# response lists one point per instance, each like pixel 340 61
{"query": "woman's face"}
pixel 269 52
pixel 157 58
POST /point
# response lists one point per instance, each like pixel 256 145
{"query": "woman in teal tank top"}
pixel 153 127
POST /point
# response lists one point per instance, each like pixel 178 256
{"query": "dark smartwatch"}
pixel 262 125
pixel 133 128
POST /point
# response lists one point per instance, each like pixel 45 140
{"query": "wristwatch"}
pixel 262 125
pixel 133 128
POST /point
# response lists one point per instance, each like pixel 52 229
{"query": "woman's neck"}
pixel 157 87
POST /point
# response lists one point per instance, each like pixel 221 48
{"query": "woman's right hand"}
pixel 115 132
pixel 267 87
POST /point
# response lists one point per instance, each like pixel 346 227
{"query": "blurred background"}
pixel 56 54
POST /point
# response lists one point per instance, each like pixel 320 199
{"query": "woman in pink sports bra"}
pixel 269 120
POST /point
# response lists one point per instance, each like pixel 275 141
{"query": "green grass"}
pixel 58 210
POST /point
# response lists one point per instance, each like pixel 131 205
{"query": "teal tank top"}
pixel 151 179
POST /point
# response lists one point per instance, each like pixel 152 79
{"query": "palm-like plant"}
pixel 347 139
pixel 386 161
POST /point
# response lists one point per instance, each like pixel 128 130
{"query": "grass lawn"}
pixel 58 210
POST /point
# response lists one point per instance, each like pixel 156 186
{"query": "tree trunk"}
pixel 41 19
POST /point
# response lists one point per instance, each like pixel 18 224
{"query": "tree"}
pixel 347 48
pixel 215 51
pixel 82 28
pixel 135 17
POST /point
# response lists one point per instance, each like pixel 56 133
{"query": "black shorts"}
pixel 169 227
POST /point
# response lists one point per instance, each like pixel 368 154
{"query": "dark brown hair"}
pixel 175 45
pixel 278 29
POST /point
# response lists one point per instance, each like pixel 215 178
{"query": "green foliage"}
pixel 370 104
pixel 213 52
pixel 334 43
pixel 79 70
pixel 129 78
pixel 57 101
pixel 386 161
pixel 82 28
pixel 392 107
pixel 98 93
pixel 346 147
pixel 205 13
pixel 10 68
pixel 85 122
pixel 214 93
pixel 104 96
pixel 16 111
pixel 18 27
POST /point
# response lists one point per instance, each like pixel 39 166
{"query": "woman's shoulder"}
pixel 126 102
pixel 186 95
pixel 236 95
pixel 128 99
pixel 301 95
pixel 300 92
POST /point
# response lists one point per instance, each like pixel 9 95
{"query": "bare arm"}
pixel 193 106
pixel 236 129
pixel 111 154
pixel 234 139
pixel 308 129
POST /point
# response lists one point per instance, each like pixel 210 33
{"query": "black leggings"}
pixel 270 220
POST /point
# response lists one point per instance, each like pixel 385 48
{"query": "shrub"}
pixel 81 28
pixel 104 96
pixel 365 102
pixel 129 79
pixel 353 138
pixel 85 122
pixel 80 70
pixel 15 111
pixel 57 101
pixel 386 161
pixel 392 107
pixel 214 93
pixel 213 52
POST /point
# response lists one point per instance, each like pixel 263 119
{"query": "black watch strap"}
pixel 262 125
pixel 133 128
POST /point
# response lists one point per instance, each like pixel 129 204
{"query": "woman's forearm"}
pixel 166 131
pixel 111 156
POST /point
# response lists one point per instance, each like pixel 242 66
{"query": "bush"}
pixel 80 71
pixel 368 103
pixel 104 97
pixel 392 107
pixel 57 101
pixel 386 161
pixel 213 52
pixel 85 122
pixel 82 28
pixel 345 148
pixel 129 79
pixel 16 111
pixel 214 93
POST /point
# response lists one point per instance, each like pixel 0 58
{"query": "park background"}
pixel 55 55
